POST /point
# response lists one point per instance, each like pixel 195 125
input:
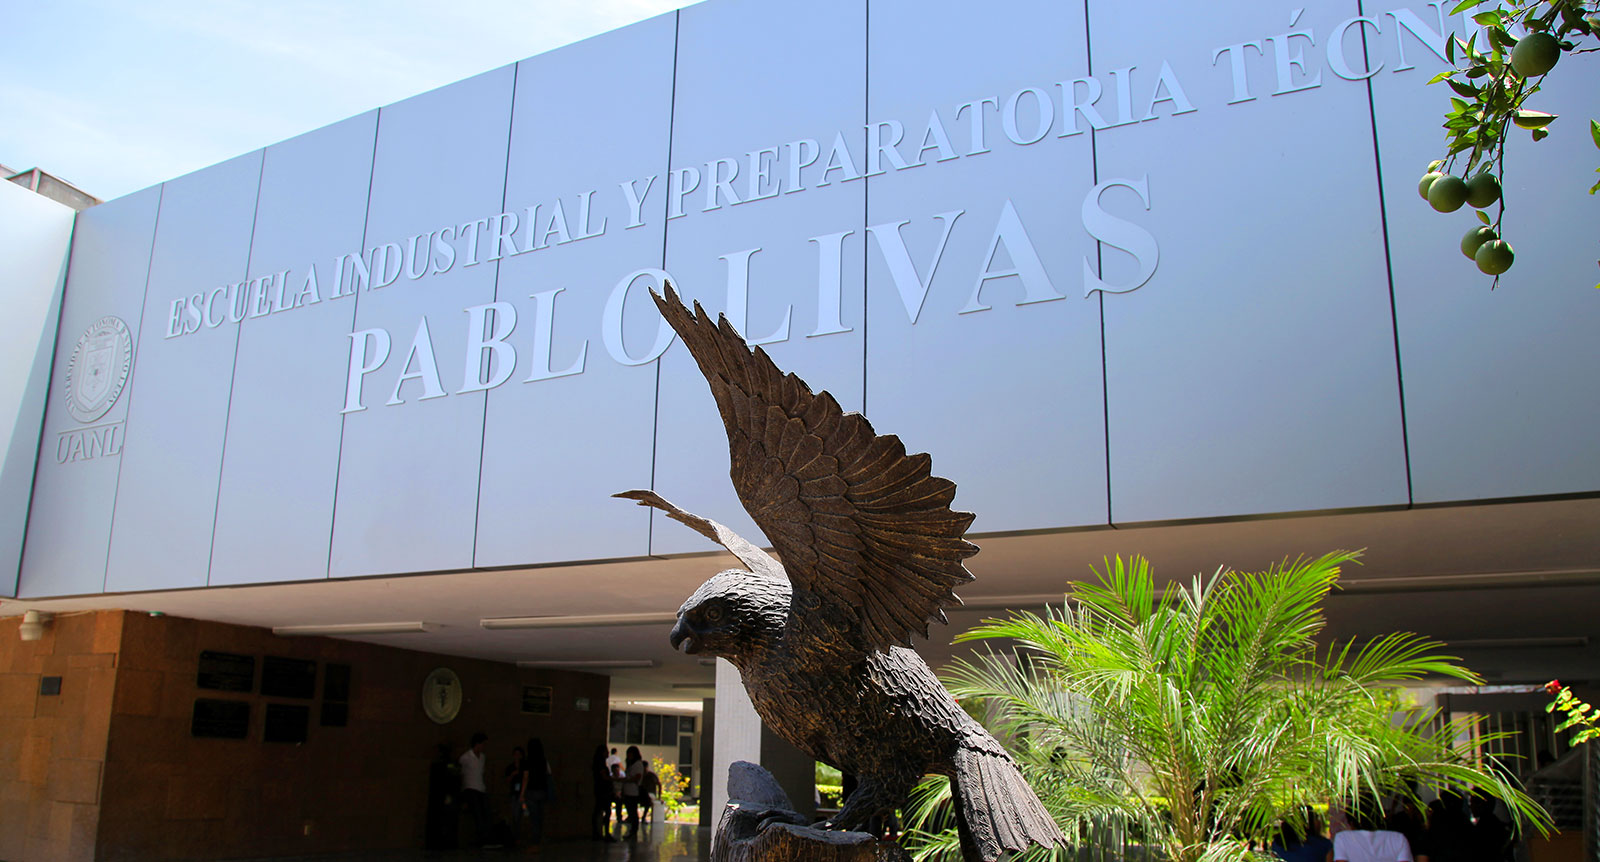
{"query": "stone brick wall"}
pixel 53 747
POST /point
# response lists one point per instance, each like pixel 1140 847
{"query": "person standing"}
pixel 474 794
pixel 633 779
pixel 600 816
pixel 1367 840
pixel 614 766
pixel 537 789
pixel 516 775
pixel 1292 845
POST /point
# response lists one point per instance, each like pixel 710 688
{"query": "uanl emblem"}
pixel 98 368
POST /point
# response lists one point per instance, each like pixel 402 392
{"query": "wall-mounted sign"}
pixel 220 719
pixel 536 699
pixel 335 682
pixel 286 722
pixel 226 671
pixel 441 695
pixel 334 714
pixel 288 677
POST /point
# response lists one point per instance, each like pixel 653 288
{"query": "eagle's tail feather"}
pixel 996 806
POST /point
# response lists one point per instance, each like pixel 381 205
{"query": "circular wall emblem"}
pixel 441 695
pixel 98 368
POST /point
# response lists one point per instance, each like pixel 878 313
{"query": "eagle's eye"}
pixel 714 612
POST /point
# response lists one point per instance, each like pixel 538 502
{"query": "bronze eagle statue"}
pixel 870 552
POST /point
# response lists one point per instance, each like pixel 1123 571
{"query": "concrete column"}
pixel 703 758
pixel 741 736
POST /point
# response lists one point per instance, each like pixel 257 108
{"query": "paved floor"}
pixel 676 843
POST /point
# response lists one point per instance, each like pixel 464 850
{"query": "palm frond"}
pixel 1193 717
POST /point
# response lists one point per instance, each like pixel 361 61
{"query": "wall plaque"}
pixel 226 671
pixel 441 695
pixel 336 682
pixel 334 714
pixel 288 677
pixel 220 719
pixel 286 722
pixel 536 699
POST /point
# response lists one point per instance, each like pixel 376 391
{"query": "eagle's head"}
pixel 733 615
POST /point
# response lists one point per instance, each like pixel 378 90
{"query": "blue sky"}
pixel 116 95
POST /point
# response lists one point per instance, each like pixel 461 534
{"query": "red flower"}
pixel 1553 686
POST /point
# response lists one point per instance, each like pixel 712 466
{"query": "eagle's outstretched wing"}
pixel 865 532
pixel 754 559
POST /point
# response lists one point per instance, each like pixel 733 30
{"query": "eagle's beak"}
pixel 682 639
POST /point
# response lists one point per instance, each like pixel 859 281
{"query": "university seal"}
pixel 98 368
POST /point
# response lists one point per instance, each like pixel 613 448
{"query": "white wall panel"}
pixel 1186 314
pixel 801 74
pixel 1008 399
pixel 35 235
pixel 69 524
pixel 1255 372
pixel 167 495
pixel 572 426
pixel 408 472
pixel 1500 401
pixel 275 505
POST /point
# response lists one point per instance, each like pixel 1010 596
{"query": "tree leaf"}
pixel 1464 89
pixel 1594 132
pixel 1540 134
pixel 1483 216
pixel 1532 119
pixel 1464 5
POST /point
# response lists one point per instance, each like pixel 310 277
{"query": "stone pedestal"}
pixel 760 825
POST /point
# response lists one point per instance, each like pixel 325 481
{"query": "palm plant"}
pixel 1191 721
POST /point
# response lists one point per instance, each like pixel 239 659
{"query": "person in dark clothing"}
pixel 516 774
pixel 1490 839
pixel 600 818
pixel 1407 820
pixel 1292 846
pixel 633 772
pixel 536 790
pixel 1449 838
pixel 444 785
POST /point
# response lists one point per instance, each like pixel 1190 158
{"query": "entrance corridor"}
pixel 676 843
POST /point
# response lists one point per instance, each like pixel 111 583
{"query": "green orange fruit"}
pixel 1535 54
pixel 1426 181
pixel 1494 257
pixel 1447 193
pixel 1475 239
pixel 1483 190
